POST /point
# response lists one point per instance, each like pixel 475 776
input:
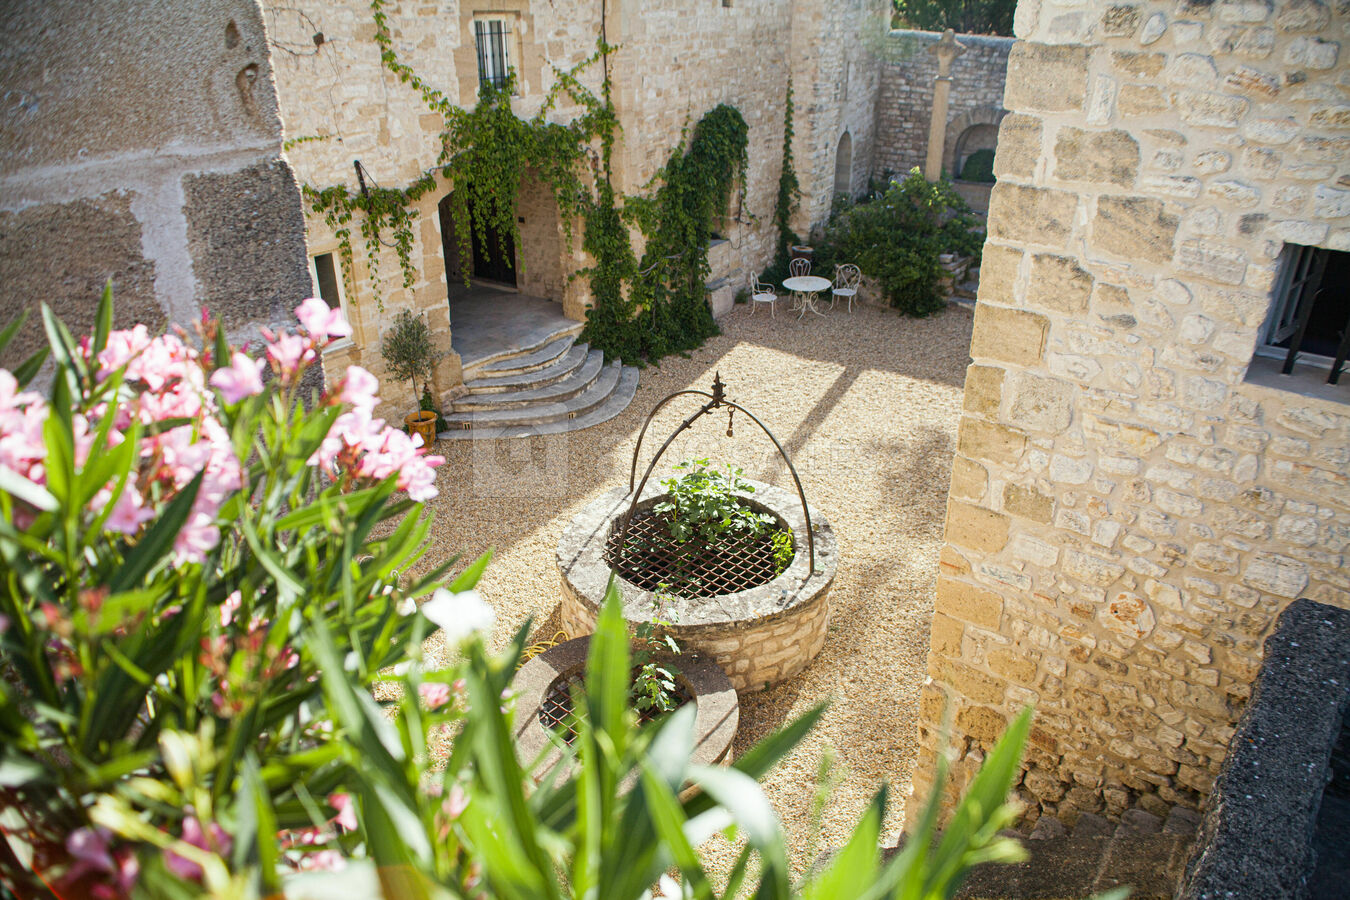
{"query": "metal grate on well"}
pixel 653 560
pixel 555 713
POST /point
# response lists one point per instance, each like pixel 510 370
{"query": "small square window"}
pixel 1309 320
pixel 326 276
pixel 492 36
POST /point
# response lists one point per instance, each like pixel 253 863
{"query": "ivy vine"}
pixel 640 311
pixel 789 190
pixel 484 152
pixel 382 209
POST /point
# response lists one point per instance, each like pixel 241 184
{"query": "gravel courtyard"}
pixel 867 405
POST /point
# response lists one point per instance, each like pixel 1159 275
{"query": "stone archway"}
pixel 971 130
pixel 843 165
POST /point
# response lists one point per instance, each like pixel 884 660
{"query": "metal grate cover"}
pixel 650 559
pixel 555 713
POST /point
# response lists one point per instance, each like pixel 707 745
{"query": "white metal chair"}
pixel 846 279
pixel 761 293
pixel 799 267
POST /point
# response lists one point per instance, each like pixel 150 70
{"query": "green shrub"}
pixel 896 236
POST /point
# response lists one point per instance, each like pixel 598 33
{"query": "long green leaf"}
pixel 12 329
pixel 103 320
pixel 255 848
pixel 158 541
pixel 35 495
pixel 669 820
pixel 27 370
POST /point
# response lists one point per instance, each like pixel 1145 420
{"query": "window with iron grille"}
pixel 493 37
pixel 1310 319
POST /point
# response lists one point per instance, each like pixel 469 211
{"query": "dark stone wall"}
pixel 141 141
pixel 62 254
pixel 246 234
pixel 1256 839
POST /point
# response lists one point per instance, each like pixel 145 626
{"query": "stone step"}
pixel 1152 864
pixel 567 387
pixel 536 355
pixel 533 377
pixel 619 396
pixel 539 413
pixel 1182 821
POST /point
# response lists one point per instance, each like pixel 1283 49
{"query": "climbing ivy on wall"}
pixel 484 152
pixel 696 188
pixel 387 210
pixel 640 312
pixel 789 189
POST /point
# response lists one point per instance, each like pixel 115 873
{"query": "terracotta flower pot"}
pixel 422 422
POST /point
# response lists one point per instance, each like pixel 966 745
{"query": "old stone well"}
pixel 768 628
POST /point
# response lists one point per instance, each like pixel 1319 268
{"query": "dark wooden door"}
pixel 494 259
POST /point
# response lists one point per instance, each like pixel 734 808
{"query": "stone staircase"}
pixel 555 386
pixel 1141 850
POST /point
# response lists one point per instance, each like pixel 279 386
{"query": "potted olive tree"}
pixel 408 353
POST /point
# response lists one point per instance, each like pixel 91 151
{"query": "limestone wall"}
pixel 905 98
pixel 1130 510
pixel 674 63
pixel 143 148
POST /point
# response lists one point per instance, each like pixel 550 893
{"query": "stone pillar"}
pixel 946 50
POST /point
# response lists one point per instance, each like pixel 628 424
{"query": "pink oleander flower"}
pixel 89 848
pixel 434 694
pixel 229 607
pixel 242 378
pixel 163 360
pixel 346 815
pixel 359 389
pixel 218 842
pixel 10 395
pixel 289 352
pixel 365 448
pixel 122 347
pixel 130 512
pixel 321 321
pixel 323 861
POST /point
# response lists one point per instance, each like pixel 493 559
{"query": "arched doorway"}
pixel 504 290
pixel 492 253
pixel 975 153
pixel 843 166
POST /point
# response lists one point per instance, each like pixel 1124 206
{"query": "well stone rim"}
pixel 581 563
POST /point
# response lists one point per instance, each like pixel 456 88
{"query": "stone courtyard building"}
pixel 674 63
pixel 1138 489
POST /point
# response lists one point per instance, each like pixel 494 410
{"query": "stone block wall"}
pixel 147 149
pixel 1130 510
pixel 673 64
pixel 905 97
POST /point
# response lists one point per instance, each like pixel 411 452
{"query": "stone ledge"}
pixel 758 636
pixel 717 708
pixel 1256 837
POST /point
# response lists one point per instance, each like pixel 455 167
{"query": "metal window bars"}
pixel 493 60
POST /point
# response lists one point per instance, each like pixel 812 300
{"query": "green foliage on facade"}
pixel 979 166
pixel 963 16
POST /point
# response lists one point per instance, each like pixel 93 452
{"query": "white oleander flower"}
pixel 459 615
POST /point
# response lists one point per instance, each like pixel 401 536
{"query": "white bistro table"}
pixel 804 289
